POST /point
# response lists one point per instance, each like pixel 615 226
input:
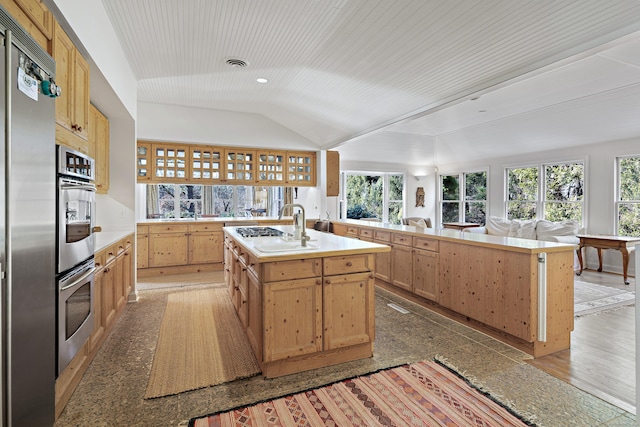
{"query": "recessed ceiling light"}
pixel 262 80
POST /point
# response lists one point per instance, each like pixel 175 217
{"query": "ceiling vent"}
pixel 236 63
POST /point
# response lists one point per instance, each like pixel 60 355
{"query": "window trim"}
pixel 617 194
pixel 462 192
pixel 385 190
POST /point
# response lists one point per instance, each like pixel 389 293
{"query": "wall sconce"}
pixel 420 192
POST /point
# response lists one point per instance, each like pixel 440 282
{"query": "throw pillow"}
pixel 524 229
pixel 497 226
pixel 419 223
pixel 548 229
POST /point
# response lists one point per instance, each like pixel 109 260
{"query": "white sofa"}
pixel 549 231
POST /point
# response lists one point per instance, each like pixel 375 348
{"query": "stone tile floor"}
pixel 111 392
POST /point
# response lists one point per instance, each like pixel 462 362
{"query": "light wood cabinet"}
pixel 333 174
pixel 142 246
pixel 170 162
pixel 271 167
pixel 206 164
pixel 144 171
pixel 383 259
pixel 99 148
pixel 401 261
pixel 348 310
pixel 292 318
pixel 301 168
pixel 34 17
pixel 254 314
pixel 169 247
pixel 72 106
pixel 98 324
pixel 205 243
pixel 240 165
pixel 425 274
pixel 109 281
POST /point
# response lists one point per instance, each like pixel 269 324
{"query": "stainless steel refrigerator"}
pixel 27 230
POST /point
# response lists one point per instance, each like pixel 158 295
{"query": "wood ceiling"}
pixel 367 75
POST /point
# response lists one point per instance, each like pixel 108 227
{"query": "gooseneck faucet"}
pixel 303 234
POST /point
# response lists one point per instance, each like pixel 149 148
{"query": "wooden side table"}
pixel 459 225
pixel 620 243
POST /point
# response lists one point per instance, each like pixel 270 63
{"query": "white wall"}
pixel 215 127
pixel 600 187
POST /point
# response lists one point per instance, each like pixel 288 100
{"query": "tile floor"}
pixel 110 394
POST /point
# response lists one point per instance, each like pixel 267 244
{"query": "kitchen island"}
pixel 517 290
pixel 302 307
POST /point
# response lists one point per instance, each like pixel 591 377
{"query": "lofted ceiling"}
pixel 393 81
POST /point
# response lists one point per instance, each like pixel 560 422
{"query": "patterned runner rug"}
pixel 201 343
pixel 590 298
pixel 421 394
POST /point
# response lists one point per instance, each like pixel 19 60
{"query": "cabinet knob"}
pixel 328 282
pixel 349 264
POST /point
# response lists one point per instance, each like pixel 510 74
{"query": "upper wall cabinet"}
pixel 301 168
pixel 99 147
pixel 34 17
pixel 72 107
pixel 165 162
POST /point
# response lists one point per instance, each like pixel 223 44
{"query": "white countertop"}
pixel 106 238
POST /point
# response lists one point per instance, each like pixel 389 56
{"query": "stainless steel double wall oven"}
pixel 75 251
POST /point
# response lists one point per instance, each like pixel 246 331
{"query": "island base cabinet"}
pixel 292 318
pixel 349 310
pixel 254 316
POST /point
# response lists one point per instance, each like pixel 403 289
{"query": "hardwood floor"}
pixel 601 360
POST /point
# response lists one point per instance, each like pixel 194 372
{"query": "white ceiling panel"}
pixel 341 69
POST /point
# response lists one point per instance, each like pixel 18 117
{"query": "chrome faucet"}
pixel 303 234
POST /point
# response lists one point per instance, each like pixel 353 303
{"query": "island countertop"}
pixel 320 245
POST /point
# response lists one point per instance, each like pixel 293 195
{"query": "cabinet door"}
pixel 383 263
pixel 167 249
pixel 142 250
pixel 301 168
pixel 349 311
pixel 99 148
pixel 254 315
pixel 63 53
pixel 127 274
pixel 170 162
pixel 119 284
pixel 108 293
pixel 205 247
pixel 401 265
pixel 206 164
pixel 98 325
pixel 292 318
pixel 271 167
pixel 143 162
pixel 425 274
pixel 240 166
pixel 80 106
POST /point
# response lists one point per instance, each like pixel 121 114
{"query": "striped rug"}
pixel 421 394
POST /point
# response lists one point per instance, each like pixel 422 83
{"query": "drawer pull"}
pixel 349 264
pixel 328 282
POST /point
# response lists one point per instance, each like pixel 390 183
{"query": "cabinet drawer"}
pixel 348 264
pixel 426 244
pixel 352 230
pixel 366 233
pixel 194 228
pixel 142 229
pixel 168 228
pixel 383 236
pixel 288 270
pixel 401 239
pixel 110 254
pixel 99 259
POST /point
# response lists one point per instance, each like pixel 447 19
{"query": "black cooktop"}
pixel 258 232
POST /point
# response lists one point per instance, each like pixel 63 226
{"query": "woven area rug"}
pixel 201 343
pixel 421 394
pixel 590 298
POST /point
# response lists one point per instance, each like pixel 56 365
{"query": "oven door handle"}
pixel 87 187
pixel 80 279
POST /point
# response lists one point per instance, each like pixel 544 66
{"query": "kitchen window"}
pixel 188 201
pixel 628 197
pixel 562 188
pixel 463 197
pixel 374 195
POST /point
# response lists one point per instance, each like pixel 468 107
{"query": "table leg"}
pixel 625 263
pixel 599 259
pixel 579 253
